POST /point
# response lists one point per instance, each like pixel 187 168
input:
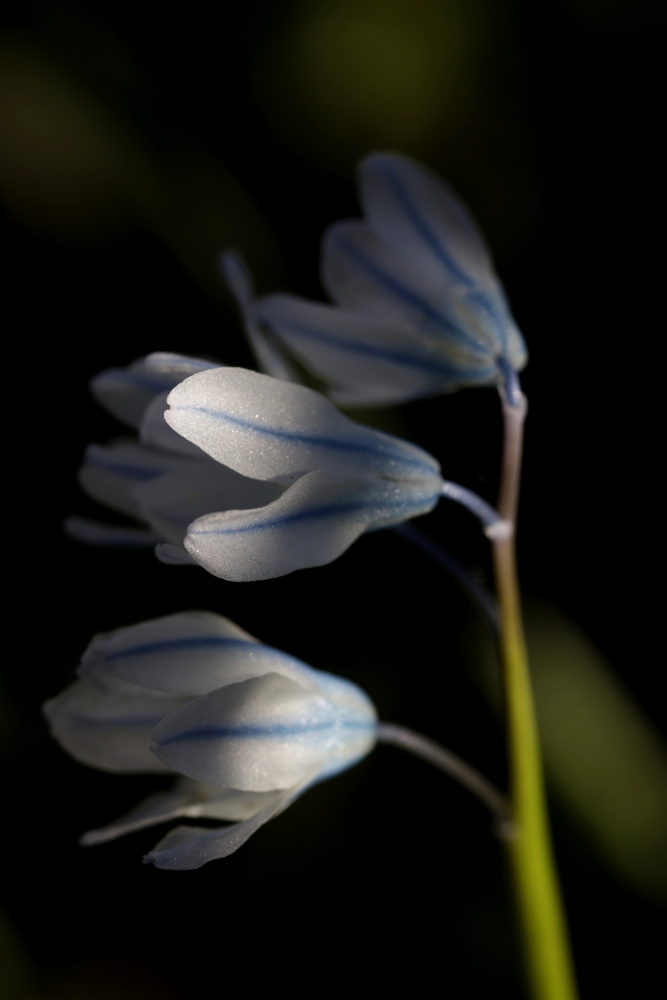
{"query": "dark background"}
pixel 135 146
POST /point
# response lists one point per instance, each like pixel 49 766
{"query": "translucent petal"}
pixel 169 503
pixel 189 847
pixel 421 219
pixel 107 729
pixel 311 524
pixel 362 273
pixel 261 734
pixel 83 529
pixel 156 808
pixel 111 472
pixel 269 429
pixel 269 358
pixel 367 359
pixel 187 798
pixel 156 433
pixel 126 392
pixel 176 366
pixel 190 653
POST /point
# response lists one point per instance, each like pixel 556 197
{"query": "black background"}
pixel 387 876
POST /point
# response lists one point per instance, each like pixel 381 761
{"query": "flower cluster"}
pixel 253 476
pixel 247 727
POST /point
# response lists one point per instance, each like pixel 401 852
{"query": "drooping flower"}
pixel 336 478
pixel 418 309
pixel 158 478
pixel 247 727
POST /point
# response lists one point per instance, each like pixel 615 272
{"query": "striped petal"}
pixel 422 220
pixel 261 734
pixel 367 360
pixel 311 524
pixel 269 429
pixel 189 847
pixel 126 392
pixel 363 273
pixel 190 653
pixel 111 473
pixel 109 730
pixel 171 502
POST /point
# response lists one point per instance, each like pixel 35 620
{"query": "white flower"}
pixel 158 479
pixel 249 728
pixel 418 307
pixel 336 478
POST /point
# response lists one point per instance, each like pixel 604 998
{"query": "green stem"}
pixel 546 944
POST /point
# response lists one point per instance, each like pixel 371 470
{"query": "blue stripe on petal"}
pixel 426 231
pixel 202 733
pixel 402 292
pixel 421 504
pixel 492 316
pixel 155 382
pixel 431 365
pixel 121 469
pixel 385 448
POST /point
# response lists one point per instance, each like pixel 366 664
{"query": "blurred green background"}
pixel 134 146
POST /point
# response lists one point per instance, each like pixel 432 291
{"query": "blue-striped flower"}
pixel 335 478
pixel 247 728
pixel 157 478
pixel 418 307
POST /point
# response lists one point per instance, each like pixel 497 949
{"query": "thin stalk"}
pixel 545 937
pixel 449 763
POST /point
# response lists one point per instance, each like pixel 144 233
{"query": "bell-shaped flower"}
pixel 246 727
pixel 418 309
pixel 157 479
pixel 335 478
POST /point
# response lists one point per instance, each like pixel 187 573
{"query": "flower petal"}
pixel 111 472
pixel 126 392
pixel 83 529
pixel 156 433
pixel 269 358
pixel 362 273
pixel 108 730
pixel 190 653
pixel 261 734
pixel 368 359
pixel 189 847
pixel 311 524
pixel 170 503
pixel 187 798
pixel 269 429
pixel 422 220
